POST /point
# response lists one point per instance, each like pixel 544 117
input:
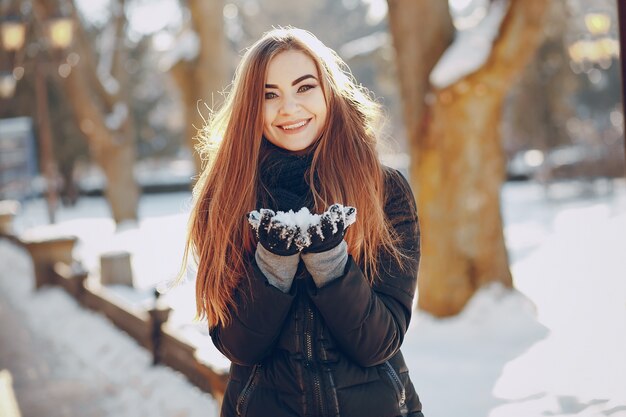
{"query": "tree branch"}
pixel 521 32
pixel 88 62
pixel 418 49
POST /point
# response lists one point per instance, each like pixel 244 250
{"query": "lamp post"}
pixel 621 12
pixel 57 32
pixel 48 164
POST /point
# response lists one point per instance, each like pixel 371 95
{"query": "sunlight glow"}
pixel 230 11
pixel 459 5
pixel 377 11
pixel 18 73
pixel 7 85
pixel 95 11
pixel 468 13
pixel 594 50
pixel 61 32
pixel 13 35
pixel 145 17
pixel 598 23
pixel 150 17
pixel 162 41
pixel 534 157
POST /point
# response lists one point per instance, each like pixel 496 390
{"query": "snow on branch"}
pixel 106 46
pixel 186 48
pixel 116 118
pixel 365 45
pixel 471 48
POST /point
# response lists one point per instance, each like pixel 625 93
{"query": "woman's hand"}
pixel 273 234
pixel 282 233
pixel 331 228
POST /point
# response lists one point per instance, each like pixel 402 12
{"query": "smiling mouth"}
pixel 295 126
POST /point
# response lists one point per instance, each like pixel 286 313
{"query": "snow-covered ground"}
pixel 80 364
pixel 555 347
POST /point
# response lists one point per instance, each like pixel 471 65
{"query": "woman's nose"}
pixel 290 105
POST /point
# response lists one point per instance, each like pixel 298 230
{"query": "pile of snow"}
pixel 470 50
pixel 455 362
pixel 300 225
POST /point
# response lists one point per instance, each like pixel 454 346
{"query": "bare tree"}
pixel 100 104
pixel 200 64
pixel 457 159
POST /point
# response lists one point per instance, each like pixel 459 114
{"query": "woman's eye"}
pixel 269 96
pixel 305 87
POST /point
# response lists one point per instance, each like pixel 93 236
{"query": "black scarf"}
pixel 283 181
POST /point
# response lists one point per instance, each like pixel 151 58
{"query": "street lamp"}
pixel 13 33
pixel 621 19
pixel 598 23
pixel 12 36
pixel 599 48
pixel 60 32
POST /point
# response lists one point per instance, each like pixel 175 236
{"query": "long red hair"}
pixel 345 162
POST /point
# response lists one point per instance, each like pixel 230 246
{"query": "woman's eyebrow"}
pixel 296 81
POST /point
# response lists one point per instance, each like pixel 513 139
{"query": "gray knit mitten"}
pixel 277 254
pixel 279 270
pixel 327 266
pixel 327 254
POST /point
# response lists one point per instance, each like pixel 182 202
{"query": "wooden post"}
pixel 115 268
pixel 71 278
pixel 46 252
pixel 159 314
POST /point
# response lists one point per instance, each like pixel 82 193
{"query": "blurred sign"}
pixel 18 165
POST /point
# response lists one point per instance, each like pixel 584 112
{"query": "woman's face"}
pixel 295 109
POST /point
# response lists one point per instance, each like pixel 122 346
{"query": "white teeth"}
pixel 295 126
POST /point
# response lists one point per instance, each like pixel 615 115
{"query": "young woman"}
pixel 310 308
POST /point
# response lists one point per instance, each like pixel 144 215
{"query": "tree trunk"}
pixel 418 49
pixel 457 159
pixel 202 79
pixel 460 170
pixel 113 148
pixel 113 151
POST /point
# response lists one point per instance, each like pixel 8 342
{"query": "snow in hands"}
pixel 273 234
pixel 298 228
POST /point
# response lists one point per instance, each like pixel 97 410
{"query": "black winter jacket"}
pixel 332 351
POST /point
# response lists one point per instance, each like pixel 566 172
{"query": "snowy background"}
pixel 554 347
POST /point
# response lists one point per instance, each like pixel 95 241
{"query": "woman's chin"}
pixel 296 145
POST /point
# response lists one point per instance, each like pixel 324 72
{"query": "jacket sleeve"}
pixel 369 322
pixel 256 321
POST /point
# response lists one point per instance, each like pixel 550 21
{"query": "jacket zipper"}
pixel 333 390
pixel 309 355
pixel 244 397
pixel 400 390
